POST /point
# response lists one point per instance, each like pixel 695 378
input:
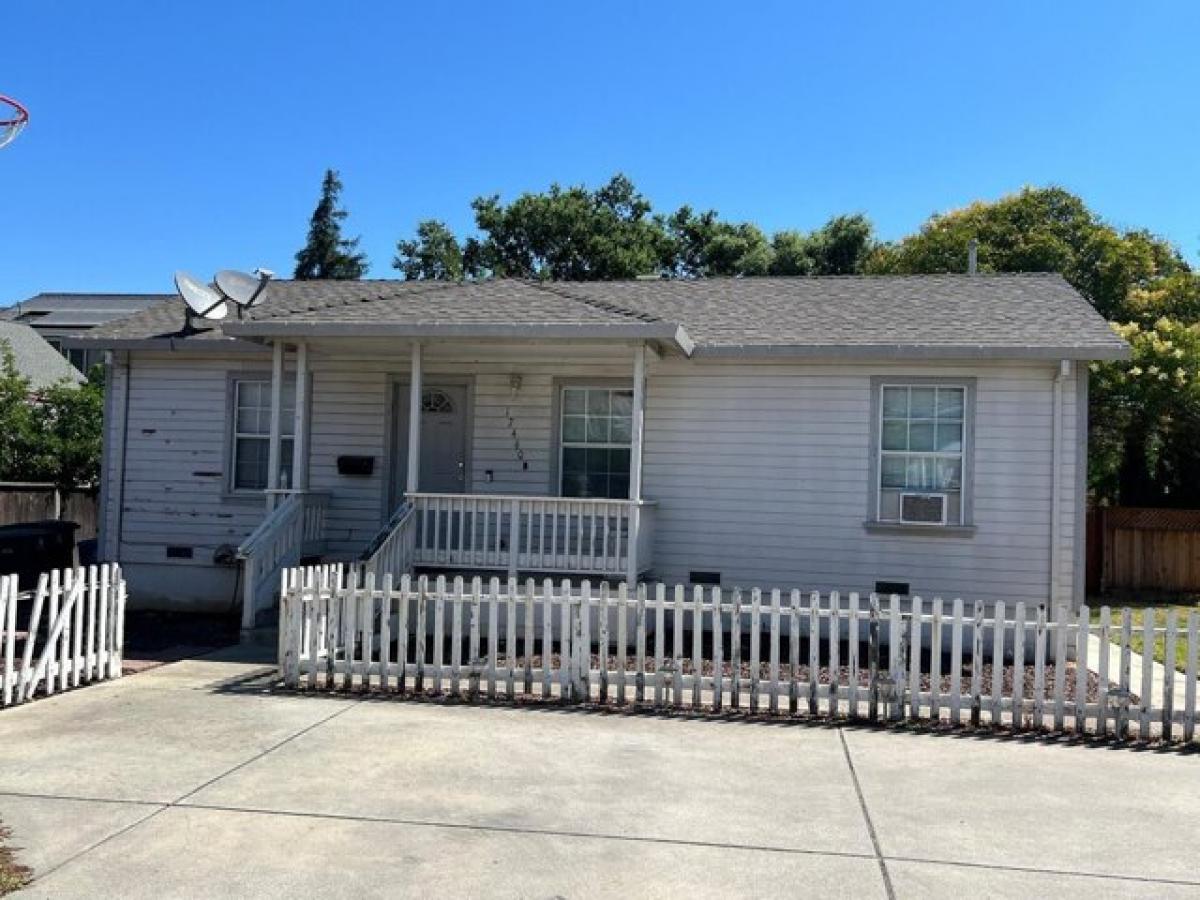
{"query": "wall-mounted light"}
pixel 514 383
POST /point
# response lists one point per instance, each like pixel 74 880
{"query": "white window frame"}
pixel 564 444
pixel 286 435
pixel 880 386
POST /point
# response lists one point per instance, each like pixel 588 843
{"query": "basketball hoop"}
pixel 13 117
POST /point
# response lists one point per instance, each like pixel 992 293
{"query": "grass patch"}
pixel 13 876
pixel 1158 607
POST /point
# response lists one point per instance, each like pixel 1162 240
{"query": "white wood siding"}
pixel 760 470
pixel 351 397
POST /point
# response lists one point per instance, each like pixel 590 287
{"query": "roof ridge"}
pixel 604 306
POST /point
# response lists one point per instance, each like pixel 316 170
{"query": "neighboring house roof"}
pixel 1036 315
pixel 37 360
pixel 56 310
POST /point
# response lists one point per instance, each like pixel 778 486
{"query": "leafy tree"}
pixel 69 425
pixel 327 254
pixel 568 234
pixel 703 245
pixel 1145 417
pixel 16 420
pixel 842 245
pixel 1037 230
pixel 53 435
pixel 790 253
pixel 434 254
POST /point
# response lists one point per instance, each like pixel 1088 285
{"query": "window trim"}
pixel 875 455
pixel 229 492
pixel 554 487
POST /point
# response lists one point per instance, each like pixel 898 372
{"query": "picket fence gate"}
pixel 73 635
pixel 729 649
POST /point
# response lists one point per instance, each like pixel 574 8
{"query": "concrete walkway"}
pixel 193 781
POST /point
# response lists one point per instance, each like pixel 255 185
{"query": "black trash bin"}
pixel 31 548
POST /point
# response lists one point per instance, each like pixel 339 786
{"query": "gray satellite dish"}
pixel 201 300
pixel 241 288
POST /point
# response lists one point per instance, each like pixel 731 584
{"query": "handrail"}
pixel 279 541
pixel 392 549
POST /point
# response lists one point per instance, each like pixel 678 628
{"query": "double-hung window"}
pixel 922 441
pixel 251 434
pixel 596 435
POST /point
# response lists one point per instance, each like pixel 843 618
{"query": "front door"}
pixel 443 468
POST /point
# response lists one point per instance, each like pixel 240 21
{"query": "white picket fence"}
pixel 73 634
pixel 871 657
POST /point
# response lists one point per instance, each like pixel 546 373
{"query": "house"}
pixel 56 316
pixel 922 434
pixel 35 359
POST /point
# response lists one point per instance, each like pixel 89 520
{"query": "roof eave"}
pixel 1108 352
pixel 173 344
pixel 667 332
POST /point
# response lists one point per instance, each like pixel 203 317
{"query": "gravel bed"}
pixel 845 677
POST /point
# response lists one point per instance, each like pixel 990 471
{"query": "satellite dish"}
pixel 241 288
pixel 201 300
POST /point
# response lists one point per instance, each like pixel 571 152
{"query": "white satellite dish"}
pixel 241 288
pixel 201 300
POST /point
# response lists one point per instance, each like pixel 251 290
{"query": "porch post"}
pixel 300 422
pixel 273 443
pixel 414 420
pixel 635 461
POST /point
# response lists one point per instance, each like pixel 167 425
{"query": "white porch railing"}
pixel 394 551
pixel 533 534
pixel 295 526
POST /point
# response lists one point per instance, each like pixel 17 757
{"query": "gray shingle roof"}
pixel 79 310
pixel 36 359
pixel 995 315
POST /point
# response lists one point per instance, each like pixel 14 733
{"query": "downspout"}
pixel 126 376
pixel 1064 372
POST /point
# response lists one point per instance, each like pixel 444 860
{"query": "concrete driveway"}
pixel 194 781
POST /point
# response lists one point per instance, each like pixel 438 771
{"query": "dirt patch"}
pixel 13 875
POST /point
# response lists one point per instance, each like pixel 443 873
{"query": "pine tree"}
pixel 327 254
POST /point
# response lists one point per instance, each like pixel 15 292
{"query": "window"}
pixel 252 434
pixel 596 436
pixel 922 436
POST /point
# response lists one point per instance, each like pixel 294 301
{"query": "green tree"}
pixel 68 423
pixel 328 255
pixel 1037 230
pixel 52 435
pixel 567 234
pixel 841 246
pixel 704 245
pixel 17 438
pixel 434 254
pixel 1145 417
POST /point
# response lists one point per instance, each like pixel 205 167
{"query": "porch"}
pixel 524 460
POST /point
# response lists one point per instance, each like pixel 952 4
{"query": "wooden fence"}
pixel 37 502
pixel 861 657
pixel 67 633
pixel 1133 548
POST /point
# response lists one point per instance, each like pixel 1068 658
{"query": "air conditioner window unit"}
pixel 923 509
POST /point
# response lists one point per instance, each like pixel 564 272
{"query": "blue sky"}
pixel 194 135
